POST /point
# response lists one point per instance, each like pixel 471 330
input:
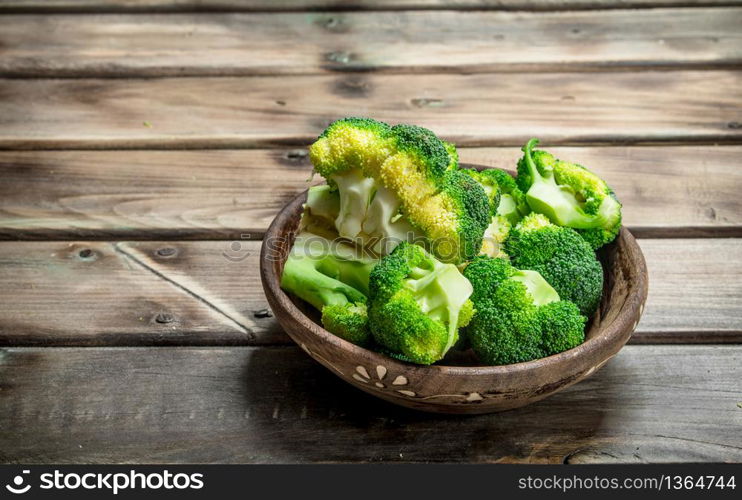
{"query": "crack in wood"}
pixel 245 329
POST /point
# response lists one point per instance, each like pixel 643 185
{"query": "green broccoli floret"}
pixel 562 257
pixel 506 198
pixel 417 304
pixel 519 316
pixel 333 277
pixel 413 178
pixel 569 195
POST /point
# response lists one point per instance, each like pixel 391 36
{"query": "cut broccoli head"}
pixel 347 154
pixel 425 189
pixel 569 195
pixel 334 279
pixel 566 260
pixel 417 304
pixel 519 316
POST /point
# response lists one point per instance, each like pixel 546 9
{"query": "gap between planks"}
pixel 298 6
pixel 122 46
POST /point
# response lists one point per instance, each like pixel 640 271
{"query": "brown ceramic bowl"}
pixel 462 388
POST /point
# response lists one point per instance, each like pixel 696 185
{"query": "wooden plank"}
pixel 95 293
pixel 695 293
pixel 289 5
pixel 649 404
pixel 210 293
pixel 470 110
pixel 217 44
pixel 223 194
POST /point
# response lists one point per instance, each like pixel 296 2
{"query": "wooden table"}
pixel 146 145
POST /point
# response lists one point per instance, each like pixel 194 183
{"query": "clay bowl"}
pixel 459 386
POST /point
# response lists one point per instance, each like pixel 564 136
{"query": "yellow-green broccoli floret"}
pixel 417 304
pixel 562 257
pixel 334 279
pixel 519 316
pixel 425 189
pixel 569 195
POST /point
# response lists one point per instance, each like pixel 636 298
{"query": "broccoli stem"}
pixel 440 291
pixel 356 193
pixel 557 202
pixel 538 288
pixel 317 281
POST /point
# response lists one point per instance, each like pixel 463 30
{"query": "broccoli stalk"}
pixel 356 192
pixel 333 280
pixel 417 304
pixel 569 195
pixel 537 287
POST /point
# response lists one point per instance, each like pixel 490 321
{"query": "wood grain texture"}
pixel 100 293
pixel 342 5
pixel 470 110
pixel 648 404
pixel 210 291
pixel 222 194
pixel 301 43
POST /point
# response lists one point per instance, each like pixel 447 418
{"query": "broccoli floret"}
pixel 569 195
pixel 426 193
pixel 489 184
pixel 519 316
pixel 562 257
pixel 506 198
pixel 346 154
pixel 333 277
pixel 417 304
pixel 454 219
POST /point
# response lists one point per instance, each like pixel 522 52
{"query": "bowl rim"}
pixel 632 308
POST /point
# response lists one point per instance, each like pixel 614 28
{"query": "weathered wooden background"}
pixel 145 146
